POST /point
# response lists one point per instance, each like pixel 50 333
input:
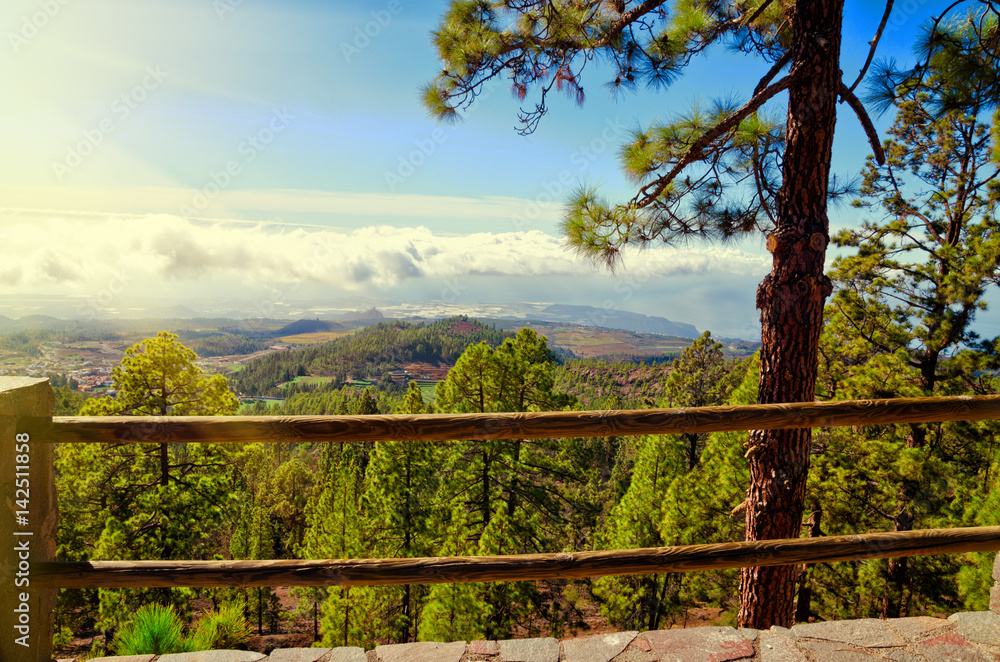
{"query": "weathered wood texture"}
pixel 27 484
pixel 443 427
pixel 379 572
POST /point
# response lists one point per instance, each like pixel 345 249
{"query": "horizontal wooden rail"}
pixel 443 427
pixel 379 572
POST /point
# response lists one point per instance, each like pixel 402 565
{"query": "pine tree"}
pixel 701 377
pixel 670 502
pixel 502 495
pixel 712 173
pixel 336 530
pixel 145 501
pixel 401 483
pixel 909 292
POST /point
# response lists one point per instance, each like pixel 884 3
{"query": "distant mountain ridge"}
pixel 618 319
pixel 365 315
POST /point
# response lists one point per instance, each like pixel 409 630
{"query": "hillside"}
pixel 308 326
pixel 371 353
pixel 612 384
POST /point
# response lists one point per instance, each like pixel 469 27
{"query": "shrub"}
pixel 222 629
pixel 154 629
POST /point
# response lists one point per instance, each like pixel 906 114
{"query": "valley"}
pixel 86 353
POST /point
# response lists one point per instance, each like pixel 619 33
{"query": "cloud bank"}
pixel 72 255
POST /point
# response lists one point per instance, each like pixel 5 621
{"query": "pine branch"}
pixel 772 72
pixel 859 110
pixel 760 10
pixel 648 194
pixel 628 18
pixel 874 45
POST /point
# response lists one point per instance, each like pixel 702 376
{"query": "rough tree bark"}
pixel 791 302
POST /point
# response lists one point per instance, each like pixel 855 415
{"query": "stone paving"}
pixel 964 637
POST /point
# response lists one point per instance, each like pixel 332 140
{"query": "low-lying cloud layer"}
pixel 70 255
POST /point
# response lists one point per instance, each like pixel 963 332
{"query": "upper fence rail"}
pixel 518 425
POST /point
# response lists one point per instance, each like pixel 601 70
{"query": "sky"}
pixel 267 152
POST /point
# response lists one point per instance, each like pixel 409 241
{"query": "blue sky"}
pixel 237 148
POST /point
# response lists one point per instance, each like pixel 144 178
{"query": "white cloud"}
pixel 498 211
pixel 49 253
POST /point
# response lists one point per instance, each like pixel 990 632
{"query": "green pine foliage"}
pixel 336 529
pixel 672 501
pixel 141 500
pixel 152 630
pixel 900 325
pixel 224 628
pixel 612 385
pixel 501 496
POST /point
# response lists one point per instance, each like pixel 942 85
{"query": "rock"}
pixel 917 627
pixel 835 651
pixel 214 656
pixel 778 647
pixel 996 568
pixel 314 655
pixel 995 599
pixel 530 650
pixel 121 658
pixel 596 648
pixel 481 647
pixel 865 632
pixel 345 654
pixel 422 651
pixel 949 646
pixel 704 644
pixel 980 626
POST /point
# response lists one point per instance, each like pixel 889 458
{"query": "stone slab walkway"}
pixel 964 637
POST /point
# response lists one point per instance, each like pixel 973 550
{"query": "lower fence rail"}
pixel 457 569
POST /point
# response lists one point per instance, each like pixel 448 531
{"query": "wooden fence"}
pixel 30 575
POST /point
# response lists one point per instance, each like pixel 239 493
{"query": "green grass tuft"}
pixel 222 629
pixel 154 629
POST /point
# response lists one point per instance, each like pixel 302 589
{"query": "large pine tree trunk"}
pixel 791 302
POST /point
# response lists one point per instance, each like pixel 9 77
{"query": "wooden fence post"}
pixel 995 591
pixel 27 522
